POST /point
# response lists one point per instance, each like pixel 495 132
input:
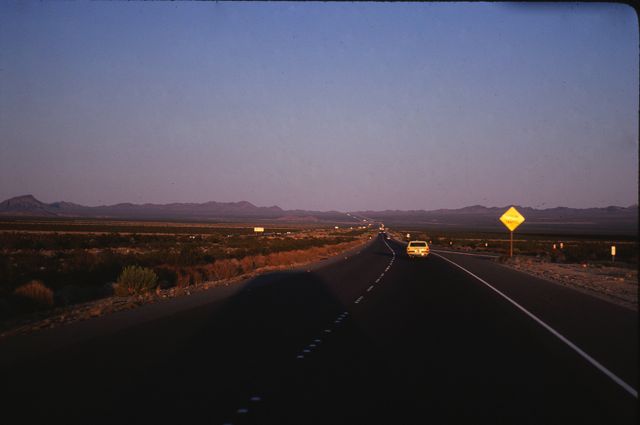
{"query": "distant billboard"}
pixel 258 229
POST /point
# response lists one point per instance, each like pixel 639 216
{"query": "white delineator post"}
pixel 613 253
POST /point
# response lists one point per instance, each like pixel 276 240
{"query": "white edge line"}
pixel 628 388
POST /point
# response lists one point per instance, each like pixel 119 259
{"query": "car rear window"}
pixel 418 244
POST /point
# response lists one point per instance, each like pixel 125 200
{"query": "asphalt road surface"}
pixel 375 338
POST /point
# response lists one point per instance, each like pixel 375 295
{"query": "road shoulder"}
pixel 47 339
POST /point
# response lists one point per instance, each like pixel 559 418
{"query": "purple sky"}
pixel 320 106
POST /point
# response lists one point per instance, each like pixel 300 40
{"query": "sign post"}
pixel 258 230
pixel 511 219
pixel 511 244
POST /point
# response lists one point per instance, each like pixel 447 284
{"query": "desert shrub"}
pixel 208 272
pixel 190 256
pixel 225 269
pixel 36 294
pixel 136 280
pixel 183 278
pixel 196 277
pixel 247 264
pixel 259 261
pixel 274 259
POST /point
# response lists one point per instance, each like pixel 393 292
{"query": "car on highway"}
pixel 417 249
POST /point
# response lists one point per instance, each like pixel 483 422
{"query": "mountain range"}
pixel 612 219
pixel 607 220
pixel 29 206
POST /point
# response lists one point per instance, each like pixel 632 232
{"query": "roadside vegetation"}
pixel 33 296
pixel 40 270
pixel 135 280
pixel 548 247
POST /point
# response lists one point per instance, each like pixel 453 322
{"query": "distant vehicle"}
pixel 418 249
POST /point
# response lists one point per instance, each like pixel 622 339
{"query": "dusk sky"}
pixel 320 106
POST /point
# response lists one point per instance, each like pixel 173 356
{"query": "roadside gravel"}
pixel 615 283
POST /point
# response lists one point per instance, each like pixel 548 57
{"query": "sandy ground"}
pixel 616 283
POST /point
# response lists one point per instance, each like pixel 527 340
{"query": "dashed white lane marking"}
pixel 628 388
pixel 343 315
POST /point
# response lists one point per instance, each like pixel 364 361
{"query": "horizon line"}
pixel 312 210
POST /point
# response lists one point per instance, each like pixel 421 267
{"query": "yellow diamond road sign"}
pixel 512 219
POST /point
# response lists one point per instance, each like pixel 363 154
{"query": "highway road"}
pixel 375 338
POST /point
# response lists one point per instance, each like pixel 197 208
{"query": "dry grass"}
pixel 36 292
pixel 229 268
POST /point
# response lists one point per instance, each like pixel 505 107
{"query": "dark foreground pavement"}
pixel 425 342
